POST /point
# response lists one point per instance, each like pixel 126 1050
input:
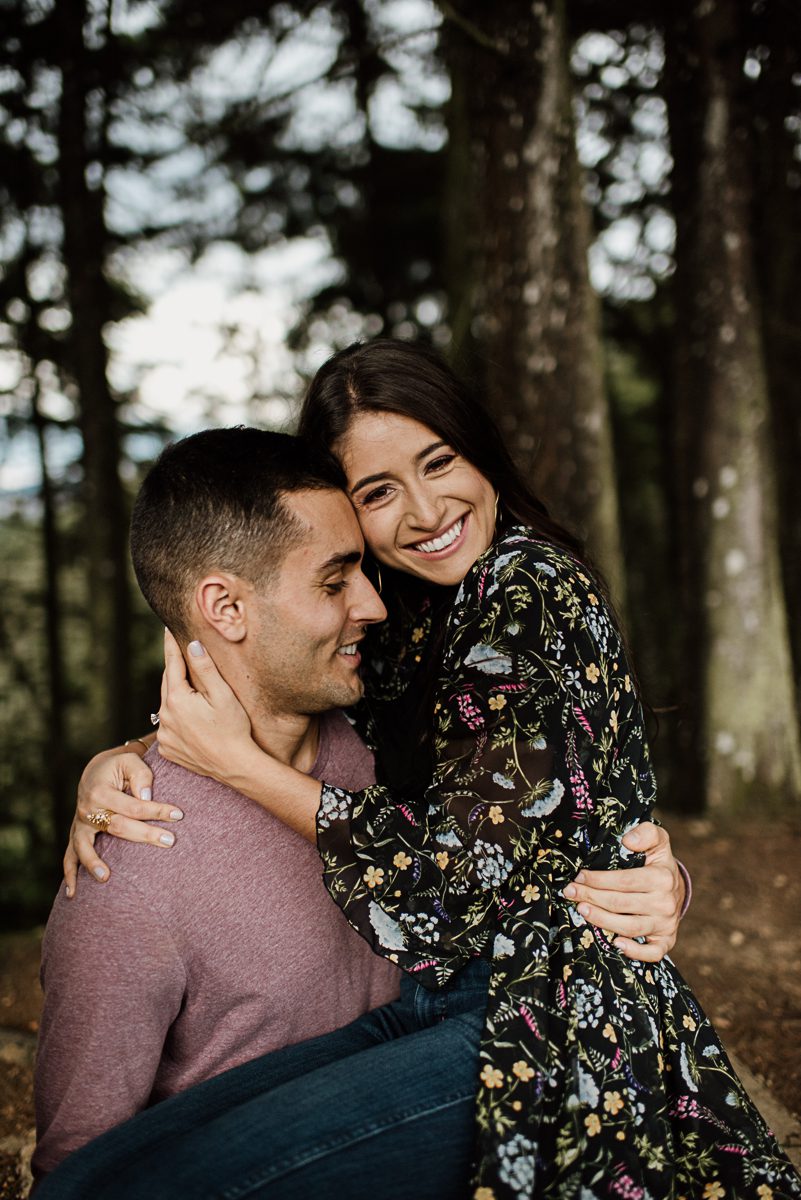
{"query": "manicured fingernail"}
pixel 167 839
pixel 146 794
pixel 176 815
pixel 196 650
pixel 68 890
pixel 580 877
pixel 570 891
pixel 100 872
pixel 584 909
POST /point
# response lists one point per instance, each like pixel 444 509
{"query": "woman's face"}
pixel 423 508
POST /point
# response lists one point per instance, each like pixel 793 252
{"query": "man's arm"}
pixel 113 983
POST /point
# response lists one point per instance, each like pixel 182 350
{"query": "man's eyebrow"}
pixel 383 474
pixel 340 560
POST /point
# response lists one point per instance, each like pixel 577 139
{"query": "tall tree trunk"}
pixel 778 233
pixel 61 795
pixel 85 242
pixel 740 642
pixel 539 316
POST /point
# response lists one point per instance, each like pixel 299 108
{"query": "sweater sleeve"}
pixel 529 720
pixel 113 983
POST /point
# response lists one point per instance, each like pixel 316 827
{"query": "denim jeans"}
pixel 381 1108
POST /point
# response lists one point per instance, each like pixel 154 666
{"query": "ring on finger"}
pixel 100 819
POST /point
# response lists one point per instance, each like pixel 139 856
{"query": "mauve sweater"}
pixel 192 960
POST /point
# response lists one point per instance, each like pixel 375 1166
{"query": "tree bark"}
pixel 539 318
pixel 84 247
pixel 739 642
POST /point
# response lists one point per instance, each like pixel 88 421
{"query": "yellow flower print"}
pixel 583 578
pixel 517 1105
pixel 620 1135
pixel 649 978
pixel 627 683
pixel 688 1022
pixel 496 703
pixel 593 599
pixel 609 1032
pixel 613 1102
pixel 523 1071
pixel 373 877
pixel 613 722
pixel 714 1190
pixel 402 861
pixel 443 858
pixel 491 1077
pixel 567 971
pixel 592 673
pixel 592 1124
pixel 586 939
pixel 417 635
pixel 496 815
pixel 483 1193
pixel 660 1062
pixel 531 893
pixel 764 1192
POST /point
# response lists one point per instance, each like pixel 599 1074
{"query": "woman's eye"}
pixel 438 464
pixel 379 493
pixel 334 588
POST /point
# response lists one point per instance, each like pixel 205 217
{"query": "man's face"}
pixel 305 625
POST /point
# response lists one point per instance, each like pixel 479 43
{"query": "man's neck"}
pixel 292 738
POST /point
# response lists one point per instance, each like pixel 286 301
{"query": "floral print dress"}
pixel 599 1077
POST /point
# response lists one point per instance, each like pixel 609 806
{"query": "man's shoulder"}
pixel 343 758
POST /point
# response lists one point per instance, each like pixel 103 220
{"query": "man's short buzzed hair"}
pixel 215 502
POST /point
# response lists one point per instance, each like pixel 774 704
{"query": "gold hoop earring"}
pixel 380 580
pixel 497 502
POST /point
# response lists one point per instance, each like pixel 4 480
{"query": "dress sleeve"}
pixel 527 700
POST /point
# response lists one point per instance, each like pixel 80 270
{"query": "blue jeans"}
pixel 382 1108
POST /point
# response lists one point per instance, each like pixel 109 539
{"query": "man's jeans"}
pixel 382 1108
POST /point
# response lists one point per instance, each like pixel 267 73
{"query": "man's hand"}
pixel 641 902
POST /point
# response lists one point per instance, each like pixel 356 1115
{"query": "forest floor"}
pixel 740 948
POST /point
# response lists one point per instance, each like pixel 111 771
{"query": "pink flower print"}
pixel 469 711
pixel 581 717
pixel 528 1017
pixel 625 1187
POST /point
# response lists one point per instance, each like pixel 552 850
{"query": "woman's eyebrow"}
pixel 383 474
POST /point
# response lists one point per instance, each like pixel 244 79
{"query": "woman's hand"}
pixel 640 902
pixel 118 782
pixel 203 727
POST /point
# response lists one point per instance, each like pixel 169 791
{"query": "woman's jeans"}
pixel 382 1108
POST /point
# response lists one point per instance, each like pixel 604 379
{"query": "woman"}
pixel 599 1076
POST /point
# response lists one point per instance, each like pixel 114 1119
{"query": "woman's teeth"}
pixel 351 649
pixel 446 539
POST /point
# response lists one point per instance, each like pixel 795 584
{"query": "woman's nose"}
pixel 424 510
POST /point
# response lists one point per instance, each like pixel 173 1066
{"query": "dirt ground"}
pixel 740 947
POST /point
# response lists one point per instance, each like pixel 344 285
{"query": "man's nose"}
pixel 367 607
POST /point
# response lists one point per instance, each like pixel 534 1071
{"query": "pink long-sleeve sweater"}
pixel 195 959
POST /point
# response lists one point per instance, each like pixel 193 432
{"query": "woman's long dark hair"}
pixel 412 380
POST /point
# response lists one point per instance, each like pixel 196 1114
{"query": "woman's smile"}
pixel 423 508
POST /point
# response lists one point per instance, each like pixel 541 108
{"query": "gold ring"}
pixel 100 819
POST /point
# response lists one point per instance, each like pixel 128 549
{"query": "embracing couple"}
pixel 500 1021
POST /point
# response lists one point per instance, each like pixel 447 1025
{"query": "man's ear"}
pixel 221 602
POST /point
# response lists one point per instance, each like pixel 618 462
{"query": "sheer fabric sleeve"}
pixel 526 689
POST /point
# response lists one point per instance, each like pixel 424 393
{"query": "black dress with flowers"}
pixel 600 1077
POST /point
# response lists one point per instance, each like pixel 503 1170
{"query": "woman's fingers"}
pixel 138 831
pixel 83 843
pixel 106 797
pixel 654 950
pixel 70 865
pixel 174 678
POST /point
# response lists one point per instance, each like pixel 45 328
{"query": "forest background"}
pixel 592 208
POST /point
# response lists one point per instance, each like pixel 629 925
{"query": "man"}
pixel 190 963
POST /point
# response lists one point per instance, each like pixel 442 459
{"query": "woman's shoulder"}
pixel 521 557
